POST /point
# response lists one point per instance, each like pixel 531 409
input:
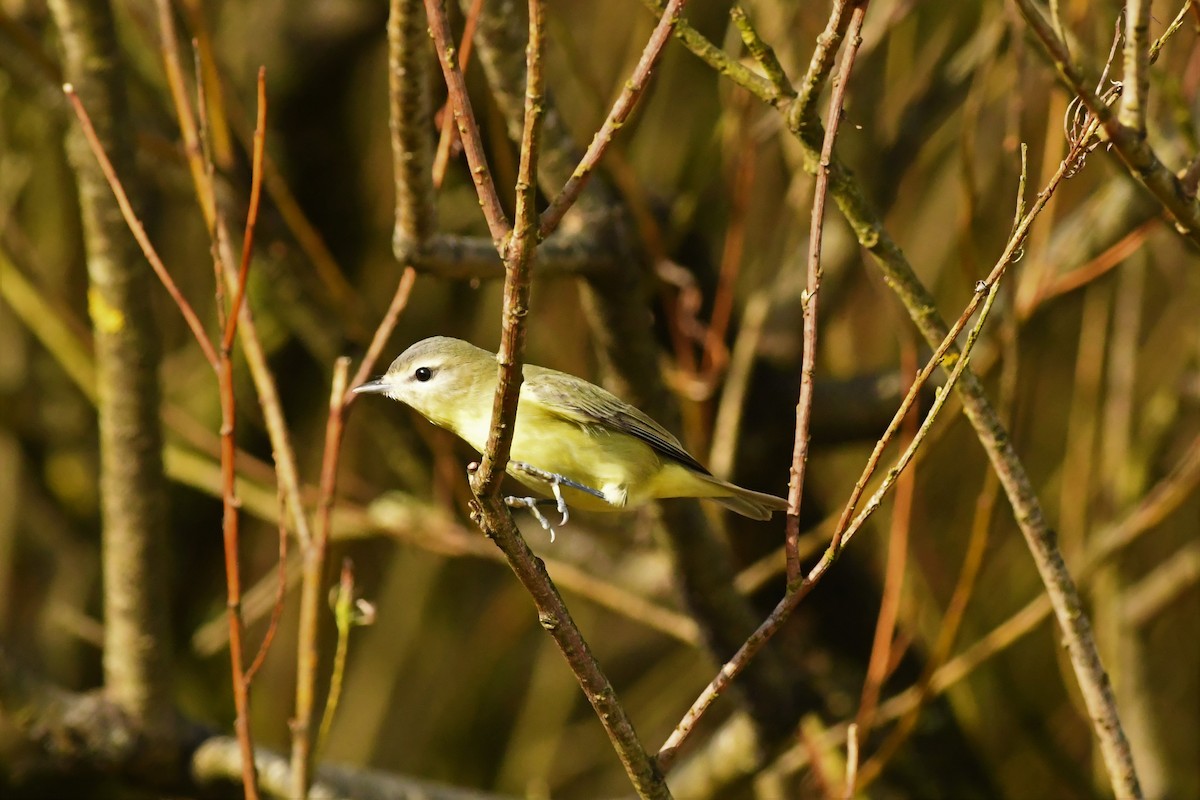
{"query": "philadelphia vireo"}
pixel 572 439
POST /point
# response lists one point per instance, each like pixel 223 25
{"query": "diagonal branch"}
pixel 620 112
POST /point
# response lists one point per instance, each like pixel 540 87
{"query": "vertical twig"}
pixel 812 296
pixel 448 135
pixel 312 598
pixel 518 269
pixel 225 383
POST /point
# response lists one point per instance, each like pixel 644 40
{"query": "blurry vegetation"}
pixel 1092 354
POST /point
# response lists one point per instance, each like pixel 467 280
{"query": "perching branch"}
pixel 489 510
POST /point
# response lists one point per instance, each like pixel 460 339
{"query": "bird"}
pixel 571 440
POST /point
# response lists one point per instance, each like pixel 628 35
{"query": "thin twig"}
pixel 139 231
pixel 468 129
pixel 260 136
pixel 231 510
pixel 719 60
pixel 488 510
pixel 620 112
pixel 448 136
pixel 348 613
pixel 281 585
pixel 812 296
pixel 383 332
pixel 311 592
pixel 518 263
pixel 761 51
pixel 192 142
pixel 1175 25
pixel 803 104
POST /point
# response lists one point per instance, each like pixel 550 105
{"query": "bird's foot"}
pixel 532 504
pixel 556 483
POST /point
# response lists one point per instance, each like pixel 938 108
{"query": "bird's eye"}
pixel 423 374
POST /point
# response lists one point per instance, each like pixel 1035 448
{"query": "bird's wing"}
pixel 583 403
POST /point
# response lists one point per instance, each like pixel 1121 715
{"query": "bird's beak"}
pixel 377 386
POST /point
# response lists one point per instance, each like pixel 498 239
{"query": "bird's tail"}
pixel 748 503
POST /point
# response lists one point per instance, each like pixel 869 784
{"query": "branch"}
pixel 409 120
pixel 1136 83
pixel 812 295
pixel 312 592
pixel 137 671
pixel 468 129
pixel 622 108
pixel 1130 143
pixel 488 509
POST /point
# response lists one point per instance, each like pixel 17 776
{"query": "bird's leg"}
pixel 556 482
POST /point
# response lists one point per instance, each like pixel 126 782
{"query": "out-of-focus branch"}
pixel 1136 83
pixel 137 671
pixel 1130 143
pixel 409 119
pixel 472 257
pixel 89 734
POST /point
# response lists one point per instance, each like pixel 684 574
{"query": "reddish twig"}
pixel 448 136
pixel 811 299
pixel 222 364
pixel 383 332
pixel 139 231
pixel 233 585
pixel 620 112
pixel 468 129
pixel 311 595
pixel 260 135
pixel 280 591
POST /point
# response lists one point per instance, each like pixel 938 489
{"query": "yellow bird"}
pixel 572 439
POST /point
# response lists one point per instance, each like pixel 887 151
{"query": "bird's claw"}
pixel 531 503
pixel 556 483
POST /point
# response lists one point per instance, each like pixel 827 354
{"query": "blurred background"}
pixel 1092 354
